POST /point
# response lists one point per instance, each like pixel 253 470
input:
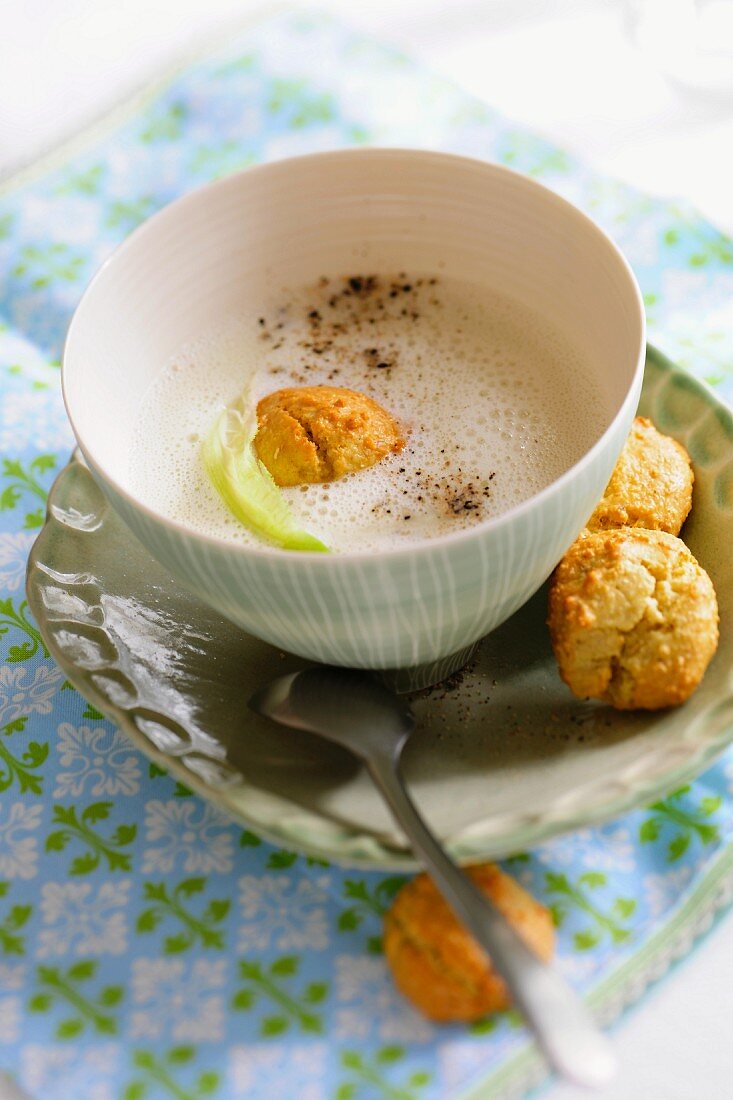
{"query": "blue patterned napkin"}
pixel 148 947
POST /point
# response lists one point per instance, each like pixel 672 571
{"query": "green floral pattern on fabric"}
pixel 150 948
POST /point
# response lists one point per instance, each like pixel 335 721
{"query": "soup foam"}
pixel 496 401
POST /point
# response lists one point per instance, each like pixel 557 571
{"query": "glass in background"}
pixel 689 41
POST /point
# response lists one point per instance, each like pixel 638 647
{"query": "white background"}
pixel 568 69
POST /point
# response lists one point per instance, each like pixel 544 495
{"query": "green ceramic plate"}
pixel 500 760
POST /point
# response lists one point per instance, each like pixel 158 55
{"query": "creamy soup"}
pixel 495 401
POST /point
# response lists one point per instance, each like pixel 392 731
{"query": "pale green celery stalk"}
pixel 246 485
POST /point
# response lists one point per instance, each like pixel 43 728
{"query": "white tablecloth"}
pixel 565 68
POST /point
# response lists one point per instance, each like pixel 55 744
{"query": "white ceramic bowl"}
pixel 200 258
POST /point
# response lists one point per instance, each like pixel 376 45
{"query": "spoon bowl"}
pixel 314 700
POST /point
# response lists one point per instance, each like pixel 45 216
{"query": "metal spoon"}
pixel 355 710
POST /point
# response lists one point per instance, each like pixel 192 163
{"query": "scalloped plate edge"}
pixel 304 830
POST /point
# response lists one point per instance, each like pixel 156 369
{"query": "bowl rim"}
pixel 466 535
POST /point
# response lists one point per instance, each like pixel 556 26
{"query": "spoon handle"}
pixel 565 1031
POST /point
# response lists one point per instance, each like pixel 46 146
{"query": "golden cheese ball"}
pixel 320 433
pixel 633 618
pixel 651 485
pixel 434 961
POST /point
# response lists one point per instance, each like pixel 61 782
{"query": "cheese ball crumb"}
pixel 651 485
pixel 434 961
pixel 319 433
pixel 633 619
